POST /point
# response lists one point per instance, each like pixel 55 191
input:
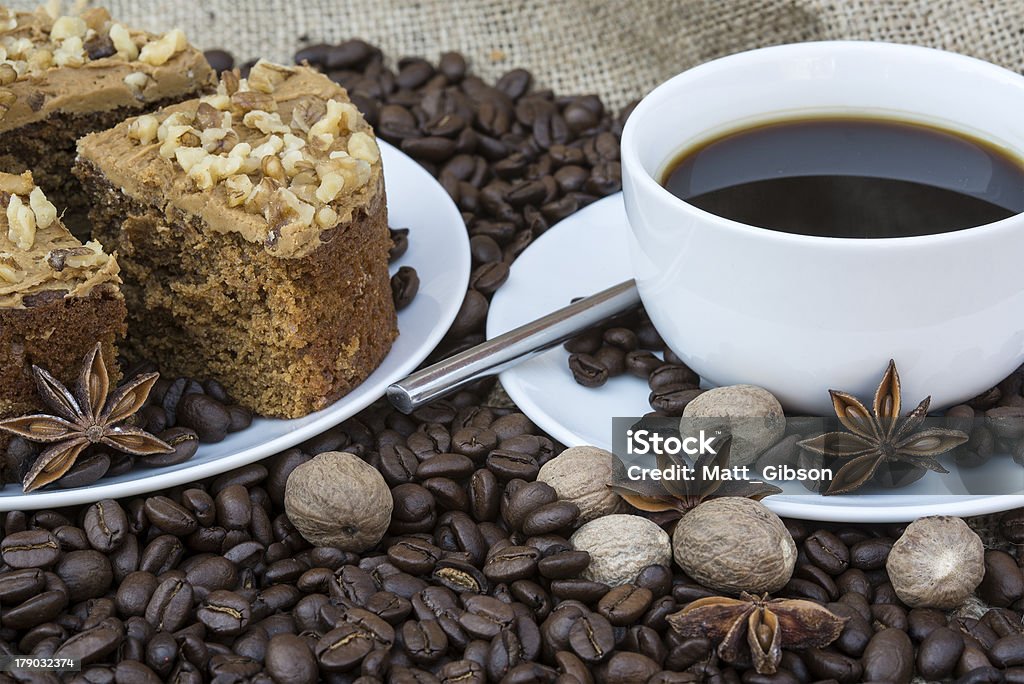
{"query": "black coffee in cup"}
pixel 850 177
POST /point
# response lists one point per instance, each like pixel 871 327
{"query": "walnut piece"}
pixel 123 43
pixel 159 51
pixel 21 224
pixel 144 128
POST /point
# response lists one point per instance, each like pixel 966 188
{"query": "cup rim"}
pixel 630 156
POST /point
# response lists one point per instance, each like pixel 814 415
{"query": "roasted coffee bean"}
pixel 1003 582
pixel 550 517
pixel 624 604
pixel 106 525
pixel 826 664
pixel 1008 651
pixel 564 564
pixel 672 400
pixel 870 554
pixel 234 509
pixel 454 466
pixel 92 645
pixel 591 637
pixel 939 653
pixel 672 375
pixel 485 616
pixel 35 610
pixel 405 284
pixel 30 549
pixel 224 613
pixel 414 556
pixel 424 640
pixel 170 605
pixel 587 370
pixel 18 585
pixel 461 534
pixel 586 591
pixel 827 551
pixel 511 563
pixel 87 470
pixel 184 442
pixel 170 516
pixel 522 498
pixel 889 656
pixel 87 574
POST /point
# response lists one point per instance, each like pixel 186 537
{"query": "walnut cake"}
pixel 64 76
pixel 252 231
pixel 58 297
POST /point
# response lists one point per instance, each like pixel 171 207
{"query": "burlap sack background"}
pixel 618 49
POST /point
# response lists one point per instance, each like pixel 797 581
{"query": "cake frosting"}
pixel 281 157
pixel 37 253
pixel 46 58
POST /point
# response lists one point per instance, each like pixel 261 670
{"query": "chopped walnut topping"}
pixel 296 166
pixel 21 224
pixel 144 128
pixel 249 100
pixel 7 99
pixel 326 217
pixel 158 52
pixel 71 53
pixel 265 76
pixel 363 146
pixel 68 27
pixel 10 275
pixel 123 43
pixel 266 122
pixel 8 74
pixel 137 82
pixel 238 188
pixel 44 211
pixel 91 256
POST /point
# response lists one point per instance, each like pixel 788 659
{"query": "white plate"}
pixel 439 251
pixel 588 252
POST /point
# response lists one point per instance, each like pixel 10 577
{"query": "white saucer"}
pixel 439 251
pixel 588 252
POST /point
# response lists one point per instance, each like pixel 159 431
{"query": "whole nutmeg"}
pixel 620 546
pixel 337 499
pixel 733 545
pixel 581 475
pixel 751 414
pixel 937 563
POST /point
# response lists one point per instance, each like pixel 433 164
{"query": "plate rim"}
pixel 333 415
pixel 960 505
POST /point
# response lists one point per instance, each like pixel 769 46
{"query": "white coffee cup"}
pixel 800 314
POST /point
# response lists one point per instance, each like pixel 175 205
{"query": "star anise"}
pixel 672 498
pixel 83 418
pixel 758 626
pixel 880 437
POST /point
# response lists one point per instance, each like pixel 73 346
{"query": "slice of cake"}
pixel 63 77
pixel 58 297
pixel 252 229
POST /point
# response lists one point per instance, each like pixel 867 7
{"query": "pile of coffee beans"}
pixel 629 344
pixel 475 580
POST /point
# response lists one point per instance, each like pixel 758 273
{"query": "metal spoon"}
pixel 511 348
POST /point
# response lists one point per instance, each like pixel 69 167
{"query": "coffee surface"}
pixel 847 177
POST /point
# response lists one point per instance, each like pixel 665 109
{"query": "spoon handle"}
pixel 515 346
